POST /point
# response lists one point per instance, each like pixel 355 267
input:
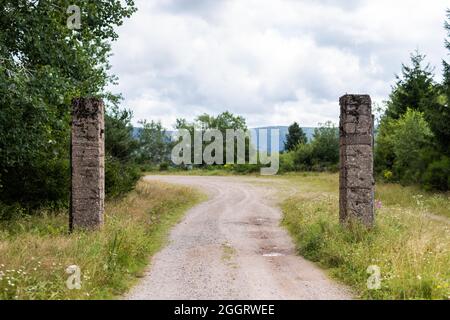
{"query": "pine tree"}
pixel 446 64
pixel 415 88
pixel 439 115
pixel 441 123
pixel 295 136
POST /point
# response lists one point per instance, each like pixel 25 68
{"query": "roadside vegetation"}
pixel 36 250
pixel 410 242
pixel 411 248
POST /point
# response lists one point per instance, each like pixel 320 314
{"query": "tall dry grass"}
pixel 36 250
pixel 411 248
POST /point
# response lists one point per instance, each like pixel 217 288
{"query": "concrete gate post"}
pixel 356 190
pixel 87 164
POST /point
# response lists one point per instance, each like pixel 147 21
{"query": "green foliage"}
pixel 404 147
pixel 43 66
pixel 287 162
pixel 415 89
pixel 222 122
pixel 440 118
pixel 414 132
pixel 119 141
pixel 321 154
pixel 121 172
pixel 325 144
pixel 411 139
pixel 384 146
pixel 246 168
pixel 303 157
pixel 437 175
pixel 295 136
pixel 154 145
pixel 120 177
pixel 406 244
pixel 164 166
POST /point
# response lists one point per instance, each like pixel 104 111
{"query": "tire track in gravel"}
pixel 232 247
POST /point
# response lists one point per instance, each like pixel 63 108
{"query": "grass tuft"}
pixel 411 249
pixel 35 251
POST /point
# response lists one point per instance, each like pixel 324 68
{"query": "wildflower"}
pixel 378 204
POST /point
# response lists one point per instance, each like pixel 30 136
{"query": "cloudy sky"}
pixel 272 61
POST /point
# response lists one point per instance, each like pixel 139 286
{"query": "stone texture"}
pixel 88 164
pixel 356 181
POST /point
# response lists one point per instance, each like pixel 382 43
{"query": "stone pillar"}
pixel 356 190
pixel 87 164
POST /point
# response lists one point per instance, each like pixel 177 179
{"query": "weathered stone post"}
pixel 356 191
pixel 87 164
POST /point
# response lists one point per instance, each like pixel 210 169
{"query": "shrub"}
pixel 326 144
pixel 247 168
pixel 287 163
pixel 303 157
pixel 437 175
pixel 120 178
pixel 321 154
pixel 164 166
pixel 411 137
pixel 384 149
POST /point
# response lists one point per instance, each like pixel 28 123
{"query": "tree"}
pixel 43 66
pixel 384 145
pixel 411 139
pixel 225 120
pixel 446 64
pixel 440 117
pixel 121 148
pixel 415 89
pixel 119 141
pixel 222 122
pixel 326 144
pixel 322 153
pixel 154 144
pixel 294 137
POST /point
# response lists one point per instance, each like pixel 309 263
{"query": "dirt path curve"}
pixel 232 247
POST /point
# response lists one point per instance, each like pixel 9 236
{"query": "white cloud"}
pixel 271 61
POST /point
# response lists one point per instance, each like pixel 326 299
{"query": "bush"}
pixel 38 185
pixel 303 157
pixel 287 163
pixel 437 175
pixel 411 140
pixel 326 145
pixel 247 168
pixel 164 166
pixel 120 178
pixel 384 149
pixel 12 211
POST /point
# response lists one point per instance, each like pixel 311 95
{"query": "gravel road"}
pixel 232 247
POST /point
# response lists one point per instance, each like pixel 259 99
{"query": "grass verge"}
pixel 411 250
pixel 36 250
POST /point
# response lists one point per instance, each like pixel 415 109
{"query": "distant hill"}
pixel 261 145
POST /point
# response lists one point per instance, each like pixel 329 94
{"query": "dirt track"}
pixel 232 247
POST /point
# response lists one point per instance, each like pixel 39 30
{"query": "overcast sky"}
pixel 272 61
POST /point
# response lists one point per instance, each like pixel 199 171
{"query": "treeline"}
pixel 129 154
pixel 319 154
pixel 412 144
pixel 413 141
pixel 222 122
